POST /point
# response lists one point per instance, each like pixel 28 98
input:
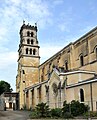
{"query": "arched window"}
pixel 28 33
pixel 34 52
pixel 81 60
pixel 26 50
pixel 66 65
pixel 32 41
pixel 96 53
pixel 41 78
pixel 36 41
pixel 81 95
pixel 31 34
pixel 30 51
pixel 28 41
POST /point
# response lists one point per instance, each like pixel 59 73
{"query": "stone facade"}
pixel 28 61
pixel 70 74
pixel 9 101
pixel 2 103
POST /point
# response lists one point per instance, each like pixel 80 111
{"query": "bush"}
pixel 78 108
pixel 70 110
pixel 42 110
pixel 24 107
pixel 66 107
pixel 75 108
pixel 90 114
pixel 67 115
pixel 34 115
pixel 56 113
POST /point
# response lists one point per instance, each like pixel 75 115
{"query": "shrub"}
pixel 42 110
pixel 24 107
pixel 67 115
pixel 34 115
pixel 78 108
pixel 90 114
pixel 56 113
pixel 66 107
pixel 70 110
pixel 75 108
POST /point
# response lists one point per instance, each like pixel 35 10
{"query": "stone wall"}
pixel 2 103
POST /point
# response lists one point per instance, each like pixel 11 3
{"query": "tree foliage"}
pixel 5 87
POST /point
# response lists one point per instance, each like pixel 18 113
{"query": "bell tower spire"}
pixel 28 60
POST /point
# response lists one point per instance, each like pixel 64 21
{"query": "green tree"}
pixel 5 87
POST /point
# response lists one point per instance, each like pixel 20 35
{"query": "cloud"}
pixel 46 51
pixel 57 2
pixel 12 13
pixel 3 32
pixel 86 29
pixel 65 20
pixel 15 11
pixel 7 59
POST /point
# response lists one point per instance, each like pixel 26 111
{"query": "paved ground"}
pixel 22 115
pixel 14 115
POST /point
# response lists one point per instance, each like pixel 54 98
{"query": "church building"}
pixel 70 74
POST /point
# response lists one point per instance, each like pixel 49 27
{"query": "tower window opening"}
pixel 23 71
pixel 34 52
pixel 41 78
pixel 31 34
pixel 28 41
pixel 27 95
pixel 32 41
pixel 26 50
pixel 30 51
pixel 28 33
pixel 81 95
pixel 81 60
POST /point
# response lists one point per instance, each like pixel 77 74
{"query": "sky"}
pixel 59 22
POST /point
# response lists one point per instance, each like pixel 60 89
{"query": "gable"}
pixel 54 78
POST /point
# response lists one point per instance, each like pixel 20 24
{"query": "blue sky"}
pixel 59 23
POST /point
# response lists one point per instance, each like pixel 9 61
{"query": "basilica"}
pixel 70 74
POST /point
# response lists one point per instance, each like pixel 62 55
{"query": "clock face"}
pixel 55 89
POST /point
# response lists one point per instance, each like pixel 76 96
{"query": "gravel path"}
pixel 14 115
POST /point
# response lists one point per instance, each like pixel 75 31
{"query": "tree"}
pixel 5 87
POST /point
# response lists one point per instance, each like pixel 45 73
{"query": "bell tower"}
pixel 28 59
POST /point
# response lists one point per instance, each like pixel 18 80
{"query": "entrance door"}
pixel 10 105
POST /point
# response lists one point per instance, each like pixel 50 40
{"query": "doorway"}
pixel 10 105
